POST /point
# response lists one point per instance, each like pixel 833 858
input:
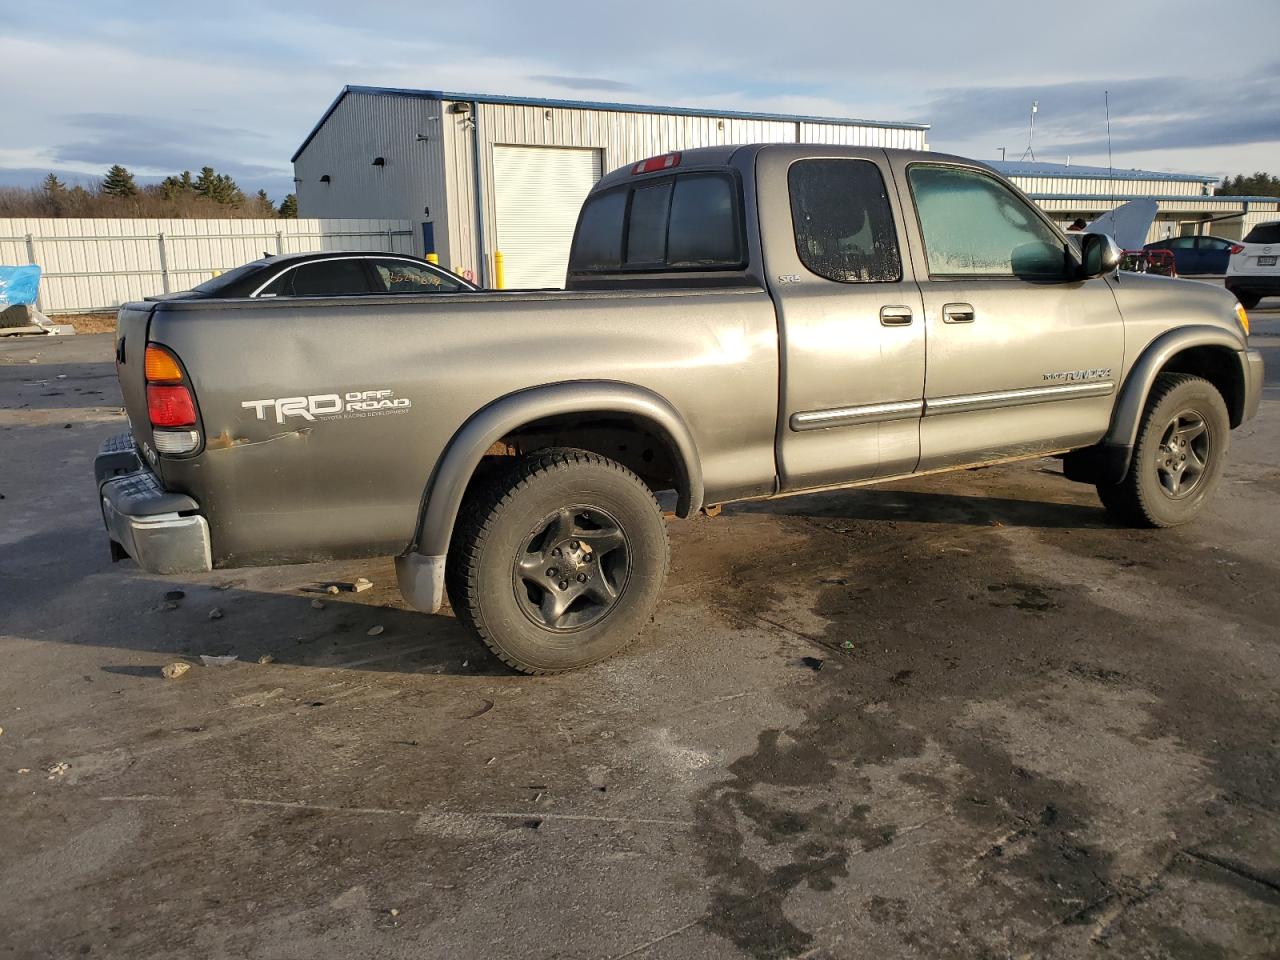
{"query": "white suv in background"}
pixel 1252 273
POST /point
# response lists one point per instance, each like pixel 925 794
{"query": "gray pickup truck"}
pixel 739 322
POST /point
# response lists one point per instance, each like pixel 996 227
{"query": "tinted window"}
pixel 692 221
pixel 403 276
pixel 597 245
pixel 842 220
pixel 647 225
pixel 324 278
pixel 1264 233
pixel 1214 243
pixel 219 285
pixel 1182 243
pixel 704 223
pixel 973 225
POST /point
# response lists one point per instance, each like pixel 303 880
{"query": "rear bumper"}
pixel 1263 284
pixel 162 531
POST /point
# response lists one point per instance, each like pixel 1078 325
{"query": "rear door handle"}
pixel 895 316
pixel 957 313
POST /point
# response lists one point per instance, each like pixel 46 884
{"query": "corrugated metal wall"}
pixel 1091 186
pixel 622 137
pixel 411 183
pixel 1173 214
pixel 98 264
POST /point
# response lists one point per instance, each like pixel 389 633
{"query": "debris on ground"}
pixel 1 731
pixel 361 585
pixel 837 581
pixel 222 661
pixel 24 769
pixel 332 589
pixel 394 912
pixel 57 770
pixel 174 670
pixel 375 630
pixel 215 614
pixel 813 663
pixel 847 645
pixel 266 658
pixel 485 707
pixel 317 604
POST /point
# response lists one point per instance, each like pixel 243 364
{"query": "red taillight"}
pixel 170 406
pixel 654 164
pixel 1236 248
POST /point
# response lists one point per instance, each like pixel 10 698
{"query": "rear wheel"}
pixel 559 561
pixel 1178 458
pixel 1248 300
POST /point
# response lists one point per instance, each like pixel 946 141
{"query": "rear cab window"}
pixel 687 222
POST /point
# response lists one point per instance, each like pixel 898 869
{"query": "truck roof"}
pixel 725 154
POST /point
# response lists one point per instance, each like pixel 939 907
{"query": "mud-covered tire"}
pixel 540 504
pixel 1170 444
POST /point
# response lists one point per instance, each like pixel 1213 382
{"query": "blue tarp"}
pixel 18 285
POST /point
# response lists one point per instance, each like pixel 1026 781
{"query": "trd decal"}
pixel 351 405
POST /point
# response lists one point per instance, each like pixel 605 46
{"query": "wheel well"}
pixel 1221 368
pixel 637 443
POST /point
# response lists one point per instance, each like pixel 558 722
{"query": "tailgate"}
pixel 131 348
pixel 1256 258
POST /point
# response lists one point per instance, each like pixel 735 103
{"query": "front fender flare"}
pixel 1127 414
pixel 443 496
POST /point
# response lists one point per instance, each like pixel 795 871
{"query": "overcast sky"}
pixel 161 86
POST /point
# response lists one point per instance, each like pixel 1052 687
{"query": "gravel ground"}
pixel 1031 734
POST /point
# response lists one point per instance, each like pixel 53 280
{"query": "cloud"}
pixel 1147 113
pixel 583 83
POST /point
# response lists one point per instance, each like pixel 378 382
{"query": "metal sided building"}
pixel 1186 202
pixel 480 174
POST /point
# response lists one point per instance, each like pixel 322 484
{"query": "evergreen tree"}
pixel 119 183
pixel 261 205
pixel 174 187
pixel 218 187
pixel 1259 185
pixel 289 207
pixel 55 195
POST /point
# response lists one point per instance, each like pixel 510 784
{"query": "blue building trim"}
pixel 1017 168
pixel 1168 198
pixel 591 105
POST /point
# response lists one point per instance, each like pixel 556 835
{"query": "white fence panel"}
pixel 97 264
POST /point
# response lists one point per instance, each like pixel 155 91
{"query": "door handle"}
pixel 957 313
pixel 895 316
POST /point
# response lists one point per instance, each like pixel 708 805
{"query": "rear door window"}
pixel 322 278
pixel 842 221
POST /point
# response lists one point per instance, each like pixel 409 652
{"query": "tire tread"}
pixel 475 523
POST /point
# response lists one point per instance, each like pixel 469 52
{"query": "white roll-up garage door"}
pixel 537 194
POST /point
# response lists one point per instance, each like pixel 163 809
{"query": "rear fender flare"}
pixel 443 496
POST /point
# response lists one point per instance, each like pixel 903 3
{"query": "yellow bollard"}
pixel 433 257
pixel 499 273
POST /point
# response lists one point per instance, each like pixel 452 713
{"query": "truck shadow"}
pixel 60 585
pixel 913 506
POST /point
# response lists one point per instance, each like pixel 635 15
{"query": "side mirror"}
pixel 1099 255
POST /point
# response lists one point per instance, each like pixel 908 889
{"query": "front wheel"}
pixel 1178 458
pixel 559 561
